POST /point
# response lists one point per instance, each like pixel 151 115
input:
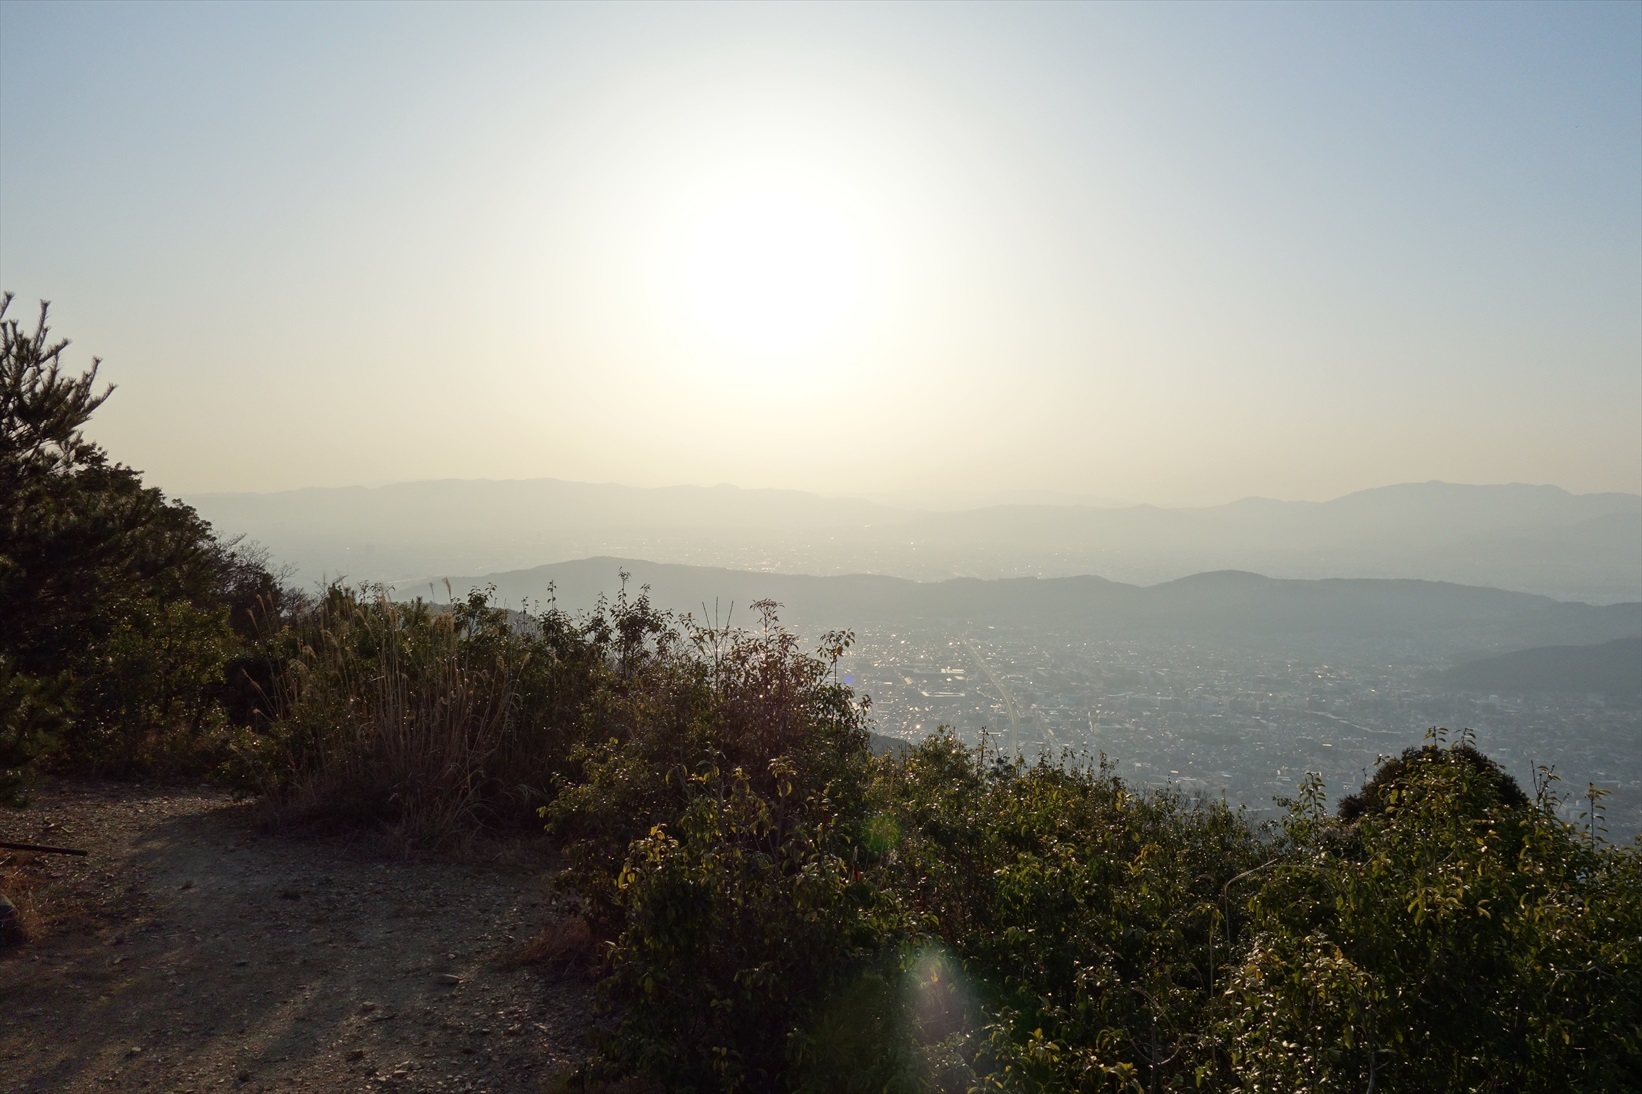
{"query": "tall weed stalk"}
pixel 391 712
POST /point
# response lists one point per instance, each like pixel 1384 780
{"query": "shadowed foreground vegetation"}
pixel 780 908
pixel 773 906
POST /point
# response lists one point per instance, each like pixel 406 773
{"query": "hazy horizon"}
pixel 1539 539
pixel 1162 255
pixel 934 498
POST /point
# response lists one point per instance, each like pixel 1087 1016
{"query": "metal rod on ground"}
pixel 37 847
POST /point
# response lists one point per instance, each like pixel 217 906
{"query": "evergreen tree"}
pixel 114 600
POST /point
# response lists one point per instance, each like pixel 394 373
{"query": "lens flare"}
pixel 944 1014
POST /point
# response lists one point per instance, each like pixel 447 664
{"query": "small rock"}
pixel 241 963
pixel 134 1050
pixel 449 978
pixel 243 1076
pixel 366 1008
pixel 356 1054
pixel 189 884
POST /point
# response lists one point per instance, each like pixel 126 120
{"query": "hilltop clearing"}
pixel 194 950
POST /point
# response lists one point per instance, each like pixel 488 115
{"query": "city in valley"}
pixel 1244 723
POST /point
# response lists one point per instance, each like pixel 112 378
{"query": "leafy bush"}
pixel 682 701
pixel 1087 916
pixel 740 917
pixel 972 922
pixel 713 833
pixel 32 713
pixel 1454 937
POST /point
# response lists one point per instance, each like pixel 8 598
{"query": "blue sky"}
pixel 1170 253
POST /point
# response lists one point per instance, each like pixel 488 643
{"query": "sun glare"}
pixel 769 270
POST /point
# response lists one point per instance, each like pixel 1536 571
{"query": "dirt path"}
pixel 193 951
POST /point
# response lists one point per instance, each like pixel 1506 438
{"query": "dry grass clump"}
pixel 23 880
pixel 431 723
pixel 566 943
pixel 389 712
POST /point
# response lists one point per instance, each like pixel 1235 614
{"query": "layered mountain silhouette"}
pixel 1426 618
pixel 1539 539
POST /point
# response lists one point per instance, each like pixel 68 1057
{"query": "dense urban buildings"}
pixel 1246 723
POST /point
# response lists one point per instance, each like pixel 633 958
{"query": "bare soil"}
pixel 195 949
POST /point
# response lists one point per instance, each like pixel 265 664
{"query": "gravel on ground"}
pixel 195 948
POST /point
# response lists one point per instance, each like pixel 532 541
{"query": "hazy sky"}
pixel 1172 253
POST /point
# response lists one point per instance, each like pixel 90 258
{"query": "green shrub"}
pixel 740 917
pixel 713 833
pixel 1087 916
pixel 689 700
pixel 32 714
pixel 1453 937
pixel 970 922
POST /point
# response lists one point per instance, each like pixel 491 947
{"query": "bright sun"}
pixel 771 270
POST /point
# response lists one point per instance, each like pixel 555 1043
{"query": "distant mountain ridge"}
pixel 1224 606
pixel 1382 517
pixel 1538 539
